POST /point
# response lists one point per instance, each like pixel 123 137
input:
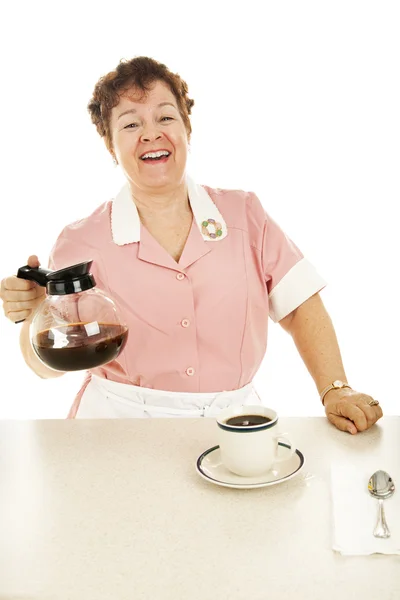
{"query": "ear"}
pixel 110 150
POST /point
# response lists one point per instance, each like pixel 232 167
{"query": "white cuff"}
pixel 299 284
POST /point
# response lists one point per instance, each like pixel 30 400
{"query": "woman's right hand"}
pixel 21 297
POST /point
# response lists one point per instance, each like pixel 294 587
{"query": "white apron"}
pixel 105 399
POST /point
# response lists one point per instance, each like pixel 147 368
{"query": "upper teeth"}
pixel 156 154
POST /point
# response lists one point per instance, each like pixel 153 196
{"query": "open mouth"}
pixel 156 157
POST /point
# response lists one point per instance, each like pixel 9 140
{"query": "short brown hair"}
pixel 138 73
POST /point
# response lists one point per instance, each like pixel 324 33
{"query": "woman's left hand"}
pixel 350 411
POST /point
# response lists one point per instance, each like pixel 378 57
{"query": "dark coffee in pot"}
pixel 247 420
pixel 81 351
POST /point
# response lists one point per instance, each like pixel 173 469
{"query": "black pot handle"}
pixel 33 274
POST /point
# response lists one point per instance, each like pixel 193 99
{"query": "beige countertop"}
pixel 114 510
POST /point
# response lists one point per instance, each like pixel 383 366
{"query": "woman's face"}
pixel 150 125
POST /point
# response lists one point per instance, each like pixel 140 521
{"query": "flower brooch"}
pixel 217 229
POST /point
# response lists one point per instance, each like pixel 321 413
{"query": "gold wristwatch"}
pixel 336 385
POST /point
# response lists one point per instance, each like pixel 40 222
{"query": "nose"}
pixel 150 133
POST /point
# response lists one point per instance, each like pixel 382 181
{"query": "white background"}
pixel 299 103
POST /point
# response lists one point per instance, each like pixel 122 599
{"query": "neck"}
pixel 164 204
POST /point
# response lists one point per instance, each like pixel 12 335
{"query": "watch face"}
pixel 338 383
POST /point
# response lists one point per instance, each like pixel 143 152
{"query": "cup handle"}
pixel 285 438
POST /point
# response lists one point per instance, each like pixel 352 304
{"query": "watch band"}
pixel 335 385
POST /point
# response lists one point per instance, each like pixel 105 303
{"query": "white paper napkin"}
pixel 355 511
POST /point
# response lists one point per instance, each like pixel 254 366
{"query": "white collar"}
pixel 125 221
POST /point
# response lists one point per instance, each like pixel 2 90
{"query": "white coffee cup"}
pixel 251 450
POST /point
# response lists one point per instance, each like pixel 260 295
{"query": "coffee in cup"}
pixel 249 439
pixel 247 420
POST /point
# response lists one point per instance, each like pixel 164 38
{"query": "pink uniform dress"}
pixel 198 327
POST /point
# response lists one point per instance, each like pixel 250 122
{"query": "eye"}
pixel 168 118
pixel 130 126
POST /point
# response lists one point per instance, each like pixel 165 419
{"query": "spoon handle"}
pixel 381 529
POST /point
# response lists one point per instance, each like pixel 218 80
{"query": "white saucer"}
pixel 210 467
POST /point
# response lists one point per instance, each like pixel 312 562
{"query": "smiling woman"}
pixel 195 272
pixel 148 134
pixel 142 112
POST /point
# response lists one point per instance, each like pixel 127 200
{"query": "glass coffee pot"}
pixel 77 326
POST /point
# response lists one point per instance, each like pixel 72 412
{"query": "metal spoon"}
pixel 381 486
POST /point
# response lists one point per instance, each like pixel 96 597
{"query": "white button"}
pixel 190 371
pixel 180 276
pixel 185 323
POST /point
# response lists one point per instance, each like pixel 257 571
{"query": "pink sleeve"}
pixel 291 279
pixel 68 251
pixel 279 253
